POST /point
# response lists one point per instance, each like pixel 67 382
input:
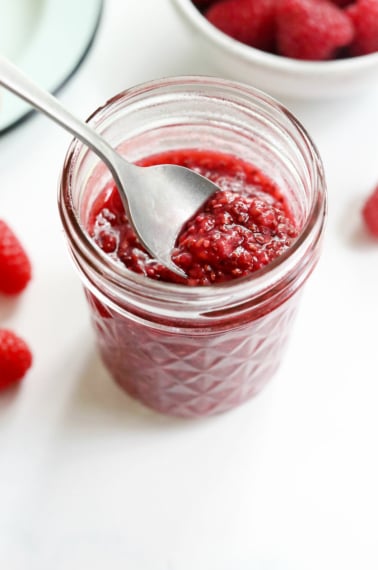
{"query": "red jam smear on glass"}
pixel 239 230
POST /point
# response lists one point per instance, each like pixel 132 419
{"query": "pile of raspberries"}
pixel 15 274
pixel 316 30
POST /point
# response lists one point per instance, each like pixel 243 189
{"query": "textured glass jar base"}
pixel 192 375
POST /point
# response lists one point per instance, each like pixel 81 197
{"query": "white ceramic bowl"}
pixel 278 75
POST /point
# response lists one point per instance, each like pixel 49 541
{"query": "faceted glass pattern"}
pixel 190 373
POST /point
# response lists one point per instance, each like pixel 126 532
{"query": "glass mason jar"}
pixel 194 351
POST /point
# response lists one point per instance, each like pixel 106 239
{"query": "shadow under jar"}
pixel 195 351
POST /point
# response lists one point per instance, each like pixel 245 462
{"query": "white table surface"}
pixel 91 480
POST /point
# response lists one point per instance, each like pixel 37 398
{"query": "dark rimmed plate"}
pixel 48 40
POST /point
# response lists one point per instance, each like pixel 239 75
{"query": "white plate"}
pixel 48 39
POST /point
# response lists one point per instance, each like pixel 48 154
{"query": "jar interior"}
pixel 203 114
pixel 248 128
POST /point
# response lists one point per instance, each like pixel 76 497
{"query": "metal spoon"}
pixel 158 199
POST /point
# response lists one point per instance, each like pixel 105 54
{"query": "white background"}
pixel 91 480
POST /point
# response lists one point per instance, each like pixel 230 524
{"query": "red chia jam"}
pixel 240 229
pixel 192 366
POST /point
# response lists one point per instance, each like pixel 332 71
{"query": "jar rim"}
pixel 123 278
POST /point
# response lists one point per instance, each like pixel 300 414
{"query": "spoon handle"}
pixel 13 79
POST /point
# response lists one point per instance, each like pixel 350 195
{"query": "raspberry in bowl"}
pixel 206 344
pixel 302 49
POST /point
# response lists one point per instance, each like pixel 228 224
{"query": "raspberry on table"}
pixel 249 21
pixel 15 267
pixel 364 16
pixel 370 213
pixel 312 29
pixel 15 358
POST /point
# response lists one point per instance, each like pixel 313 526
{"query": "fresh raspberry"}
pixel 251 22
pixel 364 15
pixel 311 29
pixel 15 358
pixel 370 213
pixel 15 268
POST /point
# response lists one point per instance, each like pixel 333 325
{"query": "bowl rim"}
pixel 274 62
